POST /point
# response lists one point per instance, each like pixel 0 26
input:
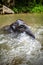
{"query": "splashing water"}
pixel 21 50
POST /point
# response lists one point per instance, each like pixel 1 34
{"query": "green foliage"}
pixel 29 6
pixel 15 10
pixel 25 9
pixel 24 6
pixel 37 8
pixel 21 9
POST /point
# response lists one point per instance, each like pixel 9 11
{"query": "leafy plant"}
pixel 24 9
pixel 15 10
pixel 37 9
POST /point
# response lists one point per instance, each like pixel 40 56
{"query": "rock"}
pixel 6 10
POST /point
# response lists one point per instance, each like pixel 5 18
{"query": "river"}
pixel 22 49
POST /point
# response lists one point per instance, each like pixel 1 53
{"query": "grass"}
pixel 30 19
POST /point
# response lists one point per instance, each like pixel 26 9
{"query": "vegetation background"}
pixel 24 6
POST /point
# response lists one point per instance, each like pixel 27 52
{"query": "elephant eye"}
pixel 22 26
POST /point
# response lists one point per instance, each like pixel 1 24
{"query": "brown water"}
pixel 22 49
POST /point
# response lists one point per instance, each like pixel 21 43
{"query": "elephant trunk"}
pixel 30 33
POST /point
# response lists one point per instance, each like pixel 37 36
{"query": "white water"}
pixel 23 50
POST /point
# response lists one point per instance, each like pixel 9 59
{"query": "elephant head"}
pixel 20 26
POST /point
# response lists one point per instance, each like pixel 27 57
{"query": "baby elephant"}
pixel 18 27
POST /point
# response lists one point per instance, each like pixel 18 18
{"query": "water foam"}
pixel 22 47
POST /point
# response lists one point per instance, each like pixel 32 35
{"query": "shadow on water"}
pixel 22 49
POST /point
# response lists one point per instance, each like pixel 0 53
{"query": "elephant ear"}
pixel 6 29
pixel 13 26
